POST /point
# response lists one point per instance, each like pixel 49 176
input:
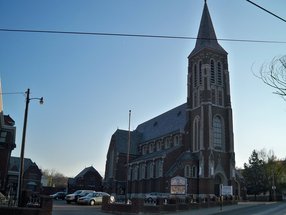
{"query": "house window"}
pixel 3 136
pixel 187 171
pixel 217 132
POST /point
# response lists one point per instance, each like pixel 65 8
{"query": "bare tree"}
pixel 274 75
pixel 55 179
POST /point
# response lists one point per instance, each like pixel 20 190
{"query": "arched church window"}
pixel 158 145
pixel 129 172
pixel 212 72
pixel 151 170
pixel 219 73
pixel 142 171
pixel 187 171
pixel 135 173
pixel 195 76
pixel 159 168
pixel 196 137
pixel 151 147
pixel 200 73
pixel 194 171
pixel 217 133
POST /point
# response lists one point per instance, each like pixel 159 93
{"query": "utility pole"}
pixel 127 160
pixel 22 156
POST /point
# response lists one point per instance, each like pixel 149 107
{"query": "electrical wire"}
pixel 134 35
pixel 266 10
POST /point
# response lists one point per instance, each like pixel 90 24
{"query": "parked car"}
pixel 92 198
pixel 59 195
pixel 77 194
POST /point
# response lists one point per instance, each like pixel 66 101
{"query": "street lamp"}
pixel 21 174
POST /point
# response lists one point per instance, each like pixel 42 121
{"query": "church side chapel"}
pixel 193 141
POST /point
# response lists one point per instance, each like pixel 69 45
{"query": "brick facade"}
pixel 7 144
pixel 87 179
pixel 193 140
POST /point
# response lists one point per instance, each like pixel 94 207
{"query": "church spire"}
pixel 206 36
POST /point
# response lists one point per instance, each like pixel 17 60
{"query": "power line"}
pixel 266 10
pixel 134 35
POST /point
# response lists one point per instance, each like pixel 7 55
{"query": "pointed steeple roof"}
pixel 206 36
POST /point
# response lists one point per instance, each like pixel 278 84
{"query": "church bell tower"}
pixel 209 114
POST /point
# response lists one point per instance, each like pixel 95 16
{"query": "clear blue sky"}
pixel 89 83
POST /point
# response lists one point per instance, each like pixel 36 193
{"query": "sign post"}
pixel 224 191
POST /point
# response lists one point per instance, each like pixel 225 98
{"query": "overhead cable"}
pixel 134 35
pixel 266 10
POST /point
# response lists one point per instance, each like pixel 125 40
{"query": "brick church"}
pixel 193 140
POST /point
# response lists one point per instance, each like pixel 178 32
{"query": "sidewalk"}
pixel 215 210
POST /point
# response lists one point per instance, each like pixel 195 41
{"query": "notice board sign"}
pixel 178 185
pixel 226 190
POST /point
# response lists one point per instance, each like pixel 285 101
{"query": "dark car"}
pixel 59 195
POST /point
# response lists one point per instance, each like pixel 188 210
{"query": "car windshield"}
pixel 77 192
pixel 89 195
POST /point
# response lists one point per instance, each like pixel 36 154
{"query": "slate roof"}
pixel 14 164
pixel 166 123
pixel 206 36
pixel 85 170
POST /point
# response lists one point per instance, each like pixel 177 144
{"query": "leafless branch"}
pixel 274 75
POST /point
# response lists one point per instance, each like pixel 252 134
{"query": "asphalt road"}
pixel 252 208
pixel 260 209
pixel 61 208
